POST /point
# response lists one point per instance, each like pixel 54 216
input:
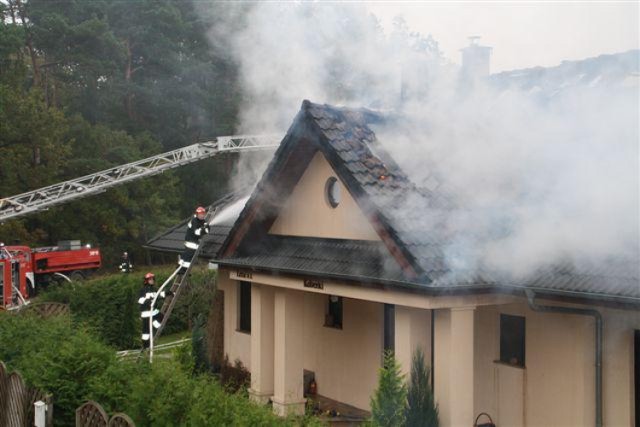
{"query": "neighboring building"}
pixel 323 270
pixel 617 71
pixel 476 60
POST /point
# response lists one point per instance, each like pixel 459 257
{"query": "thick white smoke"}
pixel 536 180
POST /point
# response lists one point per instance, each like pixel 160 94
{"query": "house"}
pixel 324 269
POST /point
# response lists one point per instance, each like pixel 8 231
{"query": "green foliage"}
pixel 198 344
pixel 108 305
pixel 421 410
pixel 32 140
pixel 195 299
pixel 389 400
pixel 85 86
pixel 74 366
pixel 54 356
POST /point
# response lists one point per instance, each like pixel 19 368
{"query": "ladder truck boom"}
pixel 46 197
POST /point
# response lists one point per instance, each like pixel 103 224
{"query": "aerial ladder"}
pixel 95 183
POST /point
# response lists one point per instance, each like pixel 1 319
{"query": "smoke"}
pixel 536 178
pixel 535 183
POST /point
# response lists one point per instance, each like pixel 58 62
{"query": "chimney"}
pixel 475 60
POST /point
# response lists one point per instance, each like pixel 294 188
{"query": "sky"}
pixel 522 34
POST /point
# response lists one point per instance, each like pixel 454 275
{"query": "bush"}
pixel 55 357
pixel 108 305
pixel 389 400
pixel 234 377
pixel 75 366
pixel 422 410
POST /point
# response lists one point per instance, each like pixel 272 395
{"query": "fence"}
pixel 17 399
pixel 48 309
pixel 91 414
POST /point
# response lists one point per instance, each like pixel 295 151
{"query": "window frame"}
pixel 337 305
pixel 512 340
pixel 244 288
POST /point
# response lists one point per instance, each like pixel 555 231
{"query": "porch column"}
pixel 461 369
pixel 261 343
pixel 403 339
pixel 412 331
pixel 288 395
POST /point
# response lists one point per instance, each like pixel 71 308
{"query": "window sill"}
pixel 243 332
pixel 500 362
pixel 333 326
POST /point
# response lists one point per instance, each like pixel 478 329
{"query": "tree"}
pixel 422 410
pixel 389 400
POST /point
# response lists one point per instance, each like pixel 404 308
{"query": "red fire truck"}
pixel 23 269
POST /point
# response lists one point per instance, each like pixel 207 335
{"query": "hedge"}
pixel 67 360
pixel 108 305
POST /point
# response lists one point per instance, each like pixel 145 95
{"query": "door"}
pixel 510 388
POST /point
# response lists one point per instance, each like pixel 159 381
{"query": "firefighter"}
pixel 147 293
pixel 196 228
pixel 126 266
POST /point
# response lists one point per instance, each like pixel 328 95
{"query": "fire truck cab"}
pixel 23 270
pixel 16 276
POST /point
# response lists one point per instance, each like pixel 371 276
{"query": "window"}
pixel 389 328
pixel 244 307
pixel 512 341
pixel 333 315
pixel 332 192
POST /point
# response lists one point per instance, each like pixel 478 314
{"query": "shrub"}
pixel 422 410
pixel 234 377
pixel 53 356
pixel 108 305
pixel 389 400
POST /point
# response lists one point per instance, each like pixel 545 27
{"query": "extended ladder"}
pixel 176 286
pixel 62 192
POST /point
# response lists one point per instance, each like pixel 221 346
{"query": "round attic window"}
pixel 332 192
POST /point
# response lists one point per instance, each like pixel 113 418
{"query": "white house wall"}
pixel 557 387
pixel 345 361
pixel 307 212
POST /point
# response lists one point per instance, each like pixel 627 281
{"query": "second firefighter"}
pixel 147 294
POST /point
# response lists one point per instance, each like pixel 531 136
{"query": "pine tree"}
pixel 389 400
pixel 421 407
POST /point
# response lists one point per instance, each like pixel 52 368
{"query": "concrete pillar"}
pixel 412 330
pixel 262 340
pixel 403 339
pixel 288 395
pixel 461 367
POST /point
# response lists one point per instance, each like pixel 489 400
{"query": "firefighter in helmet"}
pixel 196 228
pixel 125 265
pixel 147 294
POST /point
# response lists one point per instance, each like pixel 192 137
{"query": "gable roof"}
pixel 368 172
pixel 394 206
